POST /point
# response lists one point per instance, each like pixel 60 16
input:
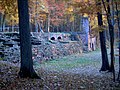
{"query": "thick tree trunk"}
pixel 105 63
pixel 26 69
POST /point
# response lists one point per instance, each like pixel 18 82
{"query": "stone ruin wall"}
pixel 45 51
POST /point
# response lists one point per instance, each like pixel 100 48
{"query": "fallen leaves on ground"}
pixel 53 80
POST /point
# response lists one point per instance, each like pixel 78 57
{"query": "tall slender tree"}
pixel 118 23
pixel 111 34
pixel 91 7
pixel 105 63
pixel 26 69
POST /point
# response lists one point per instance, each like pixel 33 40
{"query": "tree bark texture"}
pixel 105 63
pixel 26 69
pixel 111 33
pixel 118 22
pixel 3 22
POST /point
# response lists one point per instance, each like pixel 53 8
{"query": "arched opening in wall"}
pixel 59 38
pixel 52 38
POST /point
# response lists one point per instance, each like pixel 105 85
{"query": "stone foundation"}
pixel 46 50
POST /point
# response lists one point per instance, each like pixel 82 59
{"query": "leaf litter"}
pixel 86 77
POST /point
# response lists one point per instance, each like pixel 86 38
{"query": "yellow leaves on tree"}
pixel 9 9
pixel 38 9
pixel 69 10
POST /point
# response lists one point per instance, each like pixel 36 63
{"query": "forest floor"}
pixel 74 72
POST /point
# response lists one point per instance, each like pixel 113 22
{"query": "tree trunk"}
pixel 47 23
pixel 118 22
pixel 105 63
pixel 12 25
pixel 73 25
pixel 111 33
pixel 26 69
pixel 3 22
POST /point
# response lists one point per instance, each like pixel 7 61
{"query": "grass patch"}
pixel 1 58
pixel 73 61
